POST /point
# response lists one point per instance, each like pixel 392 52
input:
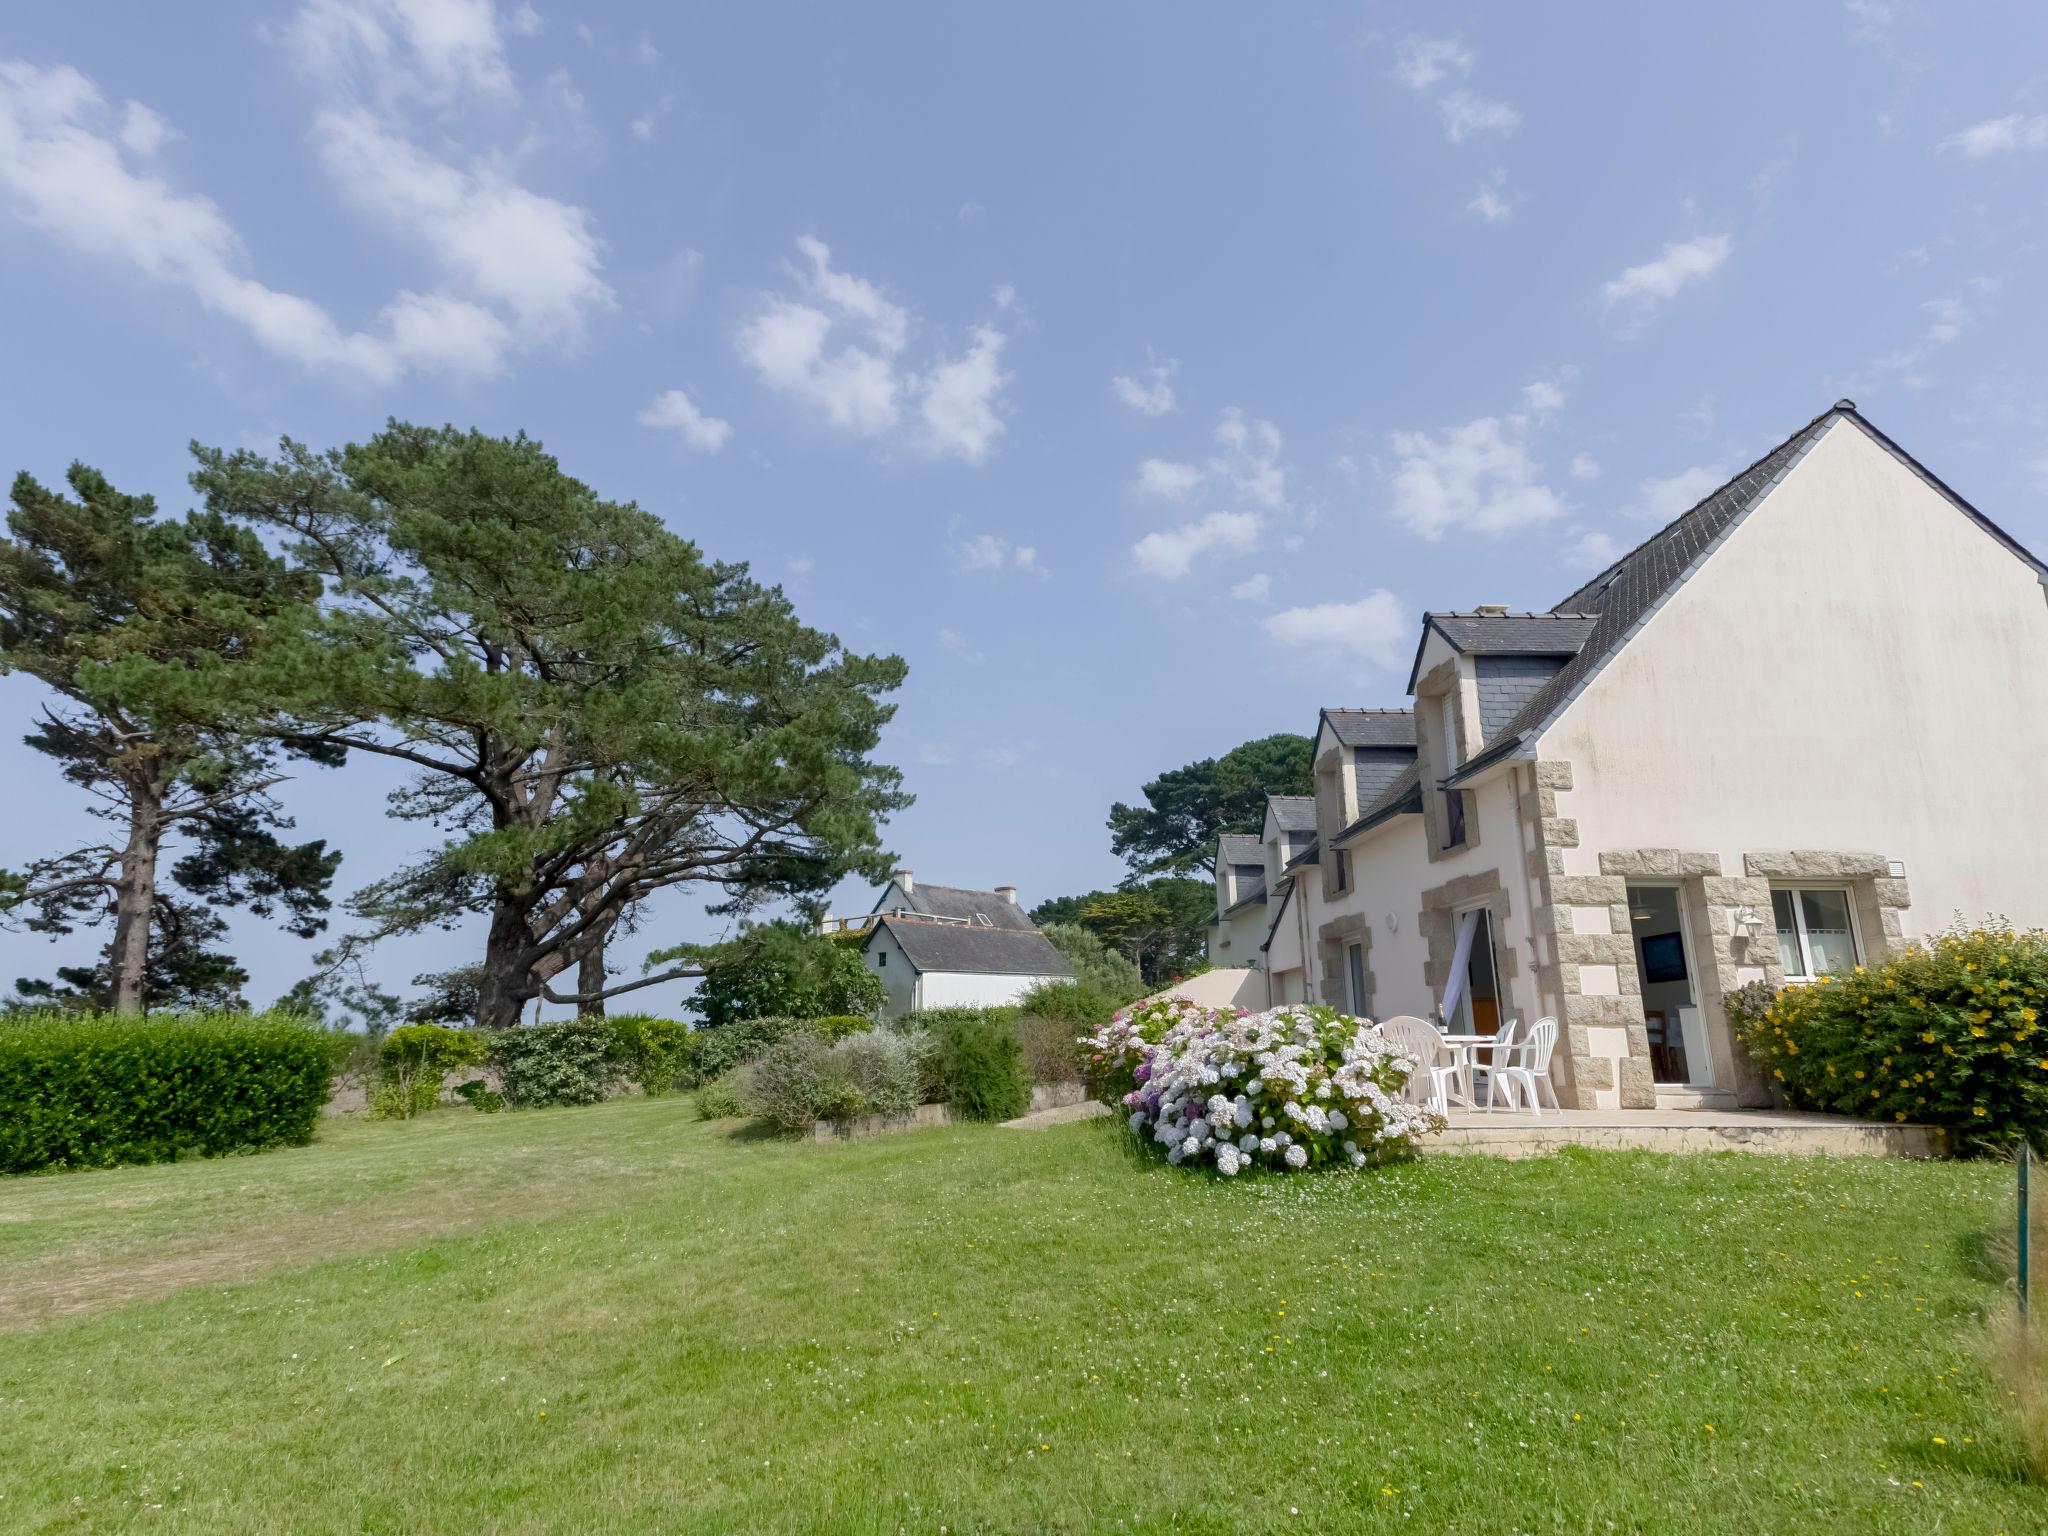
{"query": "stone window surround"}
pixel 1443 687
pixel 1723 955
pixel 1332 938
pixel 1438 924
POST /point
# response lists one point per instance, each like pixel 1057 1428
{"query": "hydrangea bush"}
pixel 1110 1057
pixel 1295 1087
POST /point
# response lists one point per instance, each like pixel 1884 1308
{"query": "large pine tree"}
pixel 145 629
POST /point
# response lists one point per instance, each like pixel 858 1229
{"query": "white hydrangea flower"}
pixel 1297 1156
pixel 1226 1160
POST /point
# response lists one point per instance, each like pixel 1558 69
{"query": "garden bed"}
pixel 1044 1096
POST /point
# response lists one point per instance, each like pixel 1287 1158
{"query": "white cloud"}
pixel 673 410
pixel 63 170
pixel 385 50
pixel 1640 293
pixel 961 398
pixel 643 126
pixel 1594 550
pixel 1374 627
pixel 1480 478
pixel 1697 420
pixel 1420 62
pixel 142 130
pixel 1149 392
pixel 838 346
pixel 1660 498
pixel 1490 202
pixel 1168 480
pixel 1467 115
pixel 531 254
pixel 1253 589
pixel 1250 461
pixel 524 21
pixel 1544 398
pixel 989 552
pixel 2000 136
pixel 1585 468
pixel 960 646
pixel 1171 555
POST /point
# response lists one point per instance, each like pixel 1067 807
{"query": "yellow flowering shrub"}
pixel 1948 1033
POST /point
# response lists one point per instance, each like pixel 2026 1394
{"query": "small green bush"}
pixel 1051 1047
pixel 983 1066
pixel 883 1069
pixel 1095 965
pixel 1950 1034
pixel 412 1060
pixel 838 1026
pixel 566 1063
pixel 715 1049
pixel 480 1096
pixel 795 1082
pixel 653 1052
pixel 82 1090
pixel 723 1098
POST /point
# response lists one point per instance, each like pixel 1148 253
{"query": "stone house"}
pixel 1800 725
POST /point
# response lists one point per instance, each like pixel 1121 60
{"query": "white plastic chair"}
pixel 1422 1040
pixel 1493 1076
pixel 1529 1069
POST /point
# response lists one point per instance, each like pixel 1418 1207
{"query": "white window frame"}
pixel 1848 894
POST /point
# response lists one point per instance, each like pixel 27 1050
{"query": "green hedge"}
pixel 574 1062
pixel 716 1049
pixel 982 1064
pixel 1953 1033
pixel 93 1090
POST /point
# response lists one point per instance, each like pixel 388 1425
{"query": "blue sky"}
pixel 1138 372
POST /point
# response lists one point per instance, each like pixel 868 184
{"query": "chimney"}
pixel 903 878
pixel 1008 893
pixel 1493 610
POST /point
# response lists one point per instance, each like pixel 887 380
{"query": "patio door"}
pixel 1472 1001
pixel 1679 1056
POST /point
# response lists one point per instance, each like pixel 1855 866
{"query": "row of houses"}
pixel 1798 726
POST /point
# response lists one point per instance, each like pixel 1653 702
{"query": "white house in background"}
pixel 1804 722
pixel 943 946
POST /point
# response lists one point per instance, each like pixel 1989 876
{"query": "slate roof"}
pixel 958 901
pixel 1255 893
pixel 1293 813
pixel 1399 798
pixel 1372 727
pixel 964 947
pixel 1559 633
pixel 1240 848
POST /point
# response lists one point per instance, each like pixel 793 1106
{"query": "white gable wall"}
pixel 1859 666
pixel 885 957
pixel 973 989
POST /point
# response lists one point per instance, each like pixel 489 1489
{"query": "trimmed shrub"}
pixel 723 1098
pixel 883 1069
pixel 839 1026
pixel 1095 965
pixel 715 1049
pixel 983 1066
pixel 412 1061
pixel 480 1096
pixel 795 1082
pixel 567 1063
pixel 1052 1050
pixel 1077 1004
pixel 81 1090
pixel 653 1052
pixel 1948 1034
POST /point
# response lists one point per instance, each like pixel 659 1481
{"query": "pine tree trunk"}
pixel 135 898
pixel 507 982
pixel 590 979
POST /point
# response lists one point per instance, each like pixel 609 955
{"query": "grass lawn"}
pixel 623 1319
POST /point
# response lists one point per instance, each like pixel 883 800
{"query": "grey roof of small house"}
pixel 1293 813
pixel 1273 918
pixel 961 947
pixel 1240 848
pixel 1633 588
pixel 1372 727
pixel 1506 634
pixel 958 901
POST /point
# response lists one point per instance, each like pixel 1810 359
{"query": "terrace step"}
pixel 1695 1098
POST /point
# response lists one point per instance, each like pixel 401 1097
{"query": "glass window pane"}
pixel 1828 937
pixel 1788 934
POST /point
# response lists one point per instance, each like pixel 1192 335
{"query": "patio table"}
pixel 1464 1051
